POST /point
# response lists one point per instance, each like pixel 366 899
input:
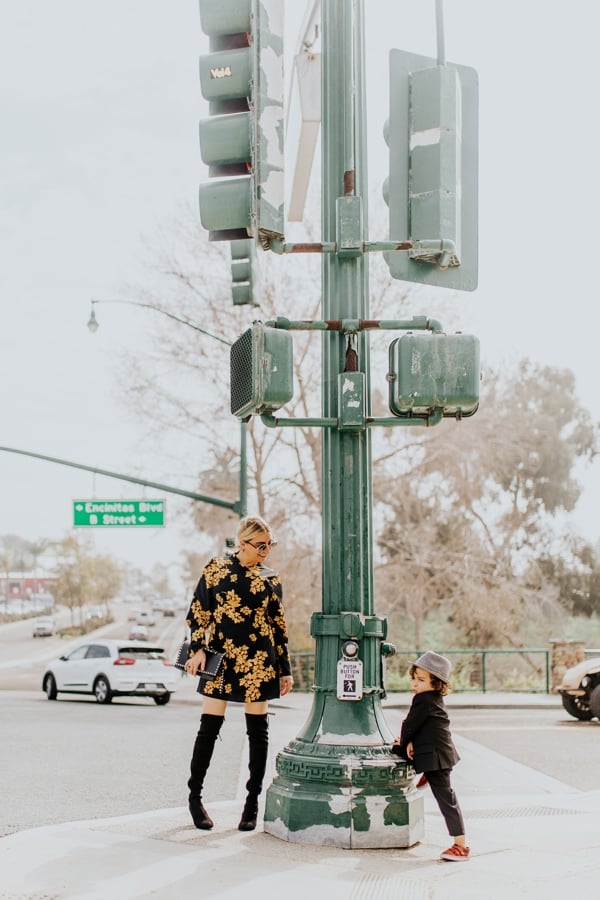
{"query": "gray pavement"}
pixel 531 837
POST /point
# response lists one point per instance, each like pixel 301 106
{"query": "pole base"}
pixel 343 796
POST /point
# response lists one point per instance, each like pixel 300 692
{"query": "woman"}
pixel 237 608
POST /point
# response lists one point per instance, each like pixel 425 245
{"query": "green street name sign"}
pixel 118 512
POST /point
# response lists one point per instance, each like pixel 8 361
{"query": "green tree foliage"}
pixel 463 513
pixel 83 579
pixel 104 580
pixel 474 511
pixel 20 555
pixel 576 574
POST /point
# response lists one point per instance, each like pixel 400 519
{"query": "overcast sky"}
pixel 99 109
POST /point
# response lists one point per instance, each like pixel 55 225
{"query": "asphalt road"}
pixel 76 759
pixel 23 658
pixel 548 740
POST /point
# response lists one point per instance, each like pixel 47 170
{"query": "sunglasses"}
pixel 262 546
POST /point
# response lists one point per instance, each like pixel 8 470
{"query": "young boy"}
pixel 425 741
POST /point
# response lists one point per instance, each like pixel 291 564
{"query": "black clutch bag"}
pixel 213 668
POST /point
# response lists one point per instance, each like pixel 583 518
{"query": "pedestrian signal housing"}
pixel 261 371
pixel 430 372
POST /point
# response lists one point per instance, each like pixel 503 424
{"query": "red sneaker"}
pixel 456 853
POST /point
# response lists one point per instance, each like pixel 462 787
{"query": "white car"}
pixel 112 668
pixel 139 633
pixel 43 627
pixel 145 617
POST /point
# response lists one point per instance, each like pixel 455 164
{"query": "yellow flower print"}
pixel 239 611
pixel 216 571
pixel 261 624
pixel 229 605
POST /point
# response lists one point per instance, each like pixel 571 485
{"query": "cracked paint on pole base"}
pixel 341 799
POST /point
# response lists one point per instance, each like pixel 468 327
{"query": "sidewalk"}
pixel 531 837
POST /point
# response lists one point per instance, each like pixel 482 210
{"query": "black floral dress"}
pixel 238 609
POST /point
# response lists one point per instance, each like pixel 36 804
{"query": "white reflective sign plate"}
pixel 349 679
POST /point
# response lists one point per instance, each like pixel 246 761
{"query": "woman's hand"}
pixel 286 683
pixel 410 750
pixel 196 663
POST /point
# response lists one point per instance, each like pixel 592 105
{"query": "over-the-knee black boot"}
pixel 257 729
pixel 201 757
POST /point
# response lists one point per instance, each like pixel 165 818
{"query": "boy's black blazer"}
pixel 428 727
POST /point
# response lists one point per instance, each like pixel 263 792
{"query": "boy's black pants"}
pixel 439 782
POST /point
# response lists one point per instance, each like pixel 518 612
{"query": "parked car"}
pixel 95 613
pixel 139 633
pixel 112 668
pixel 43 627
pixel 580 690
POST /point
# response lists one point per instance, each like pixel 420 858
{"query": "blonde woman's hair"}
pixel 250 527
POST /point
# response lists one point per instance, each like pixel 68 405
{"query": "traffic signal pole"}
pixel 346 487
pixel 337 783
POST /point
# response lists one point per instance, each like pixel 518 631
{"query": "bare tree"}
pixel 475 507
pixel 181 388
pixel 484 495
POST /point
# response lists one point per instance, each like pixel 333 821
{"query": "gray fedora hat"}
pixel 435 664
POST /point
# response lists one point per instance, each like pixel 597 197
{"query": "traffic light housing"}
pixel 431 372
pixel 242 140
pixel 432 188
pixel 245 273
pixel 261 371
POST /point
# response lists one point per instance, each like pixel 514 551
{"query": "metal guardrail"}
pixel 513 671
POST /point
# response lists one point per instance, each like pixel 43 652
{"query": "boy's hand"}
pixel 410 750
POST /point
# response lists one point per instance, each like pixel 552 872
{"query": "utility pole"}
pixel 337 782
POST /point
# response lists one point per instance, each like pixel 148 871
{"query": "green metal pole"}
pixel 337 782
pixel 233 505
pixel 243 504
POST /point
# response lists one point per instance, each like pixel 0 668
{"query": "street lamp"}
pixel 93 326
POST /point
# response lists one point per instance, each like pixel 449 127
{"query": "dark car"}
pixel 580 690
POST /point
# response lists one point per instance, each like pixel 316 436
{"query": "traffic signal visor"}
pixel 432 188
pixel 245 273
